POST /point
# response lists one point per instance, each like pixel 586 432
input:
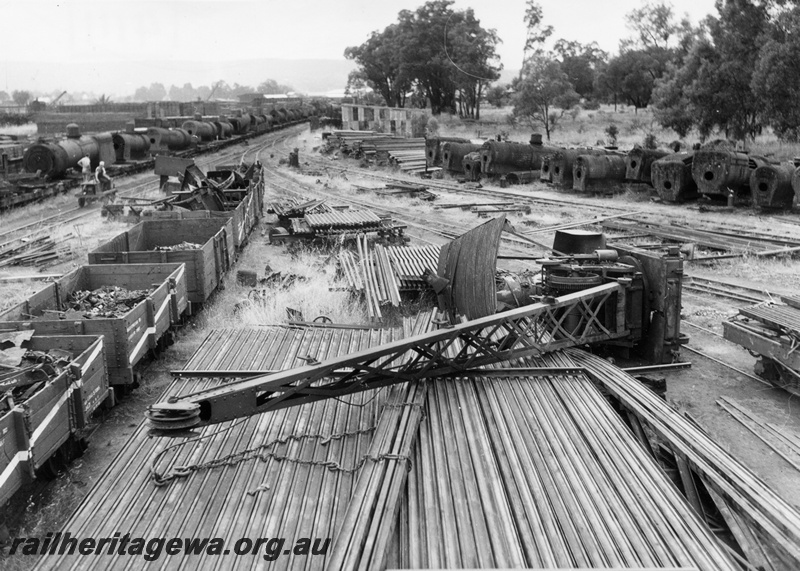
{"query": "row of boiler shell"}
pixel 54 159
pixel 722 172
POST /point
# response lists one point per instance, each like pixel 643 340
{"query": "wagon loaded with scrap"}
pixel 52 385
pixel 80 342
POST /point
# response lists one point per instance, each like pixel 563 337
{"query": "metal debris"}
pixel 107 301
pixel 179 247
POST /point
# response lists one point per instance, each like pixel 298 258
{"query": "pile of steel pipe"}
pixel 671 176
pixel 453 155
pixel 639 161
pixel 771 186
pixel 596 173
pixel 285 474
pixel 720 171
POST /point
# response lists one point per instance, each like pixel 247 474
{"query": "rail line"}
pixel 519 245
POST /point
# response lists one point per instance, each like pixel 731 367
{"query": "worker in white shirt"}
pixel 86 168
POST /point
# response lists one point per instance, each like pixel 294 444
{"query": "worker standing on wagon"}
pixel 86 168
pixel 101 177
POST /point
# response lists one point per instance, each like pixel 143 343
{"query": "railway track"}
pixel 456 189
pixel 286 184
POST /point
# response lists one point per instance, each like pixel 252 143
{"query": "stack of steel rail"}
pixel 517 471
pixel 409 264
pixel 737 243
pixel 343 221
pixel 286 474
pixel 350 141
pixel 292 207
pixel 523 467
pixel 371 274
pixel 765 526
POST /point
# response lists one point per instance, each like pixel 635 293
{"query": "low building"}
pixel 394 120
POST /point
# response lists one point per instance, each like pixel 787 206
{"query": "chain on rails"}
pixel 260 452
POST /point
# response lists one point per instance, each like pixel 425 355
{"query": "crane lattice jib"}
pixel 588 316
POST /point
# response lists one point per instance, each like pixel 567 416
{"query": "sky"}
pixel 102 36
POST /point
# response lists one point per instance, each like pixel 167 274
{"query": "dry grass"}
pixel 315 292
pixel 771 273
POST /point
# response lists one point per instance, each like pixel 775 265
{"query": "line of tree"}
pixel 155 92
pixel 219 89
pixel 740 75
pixel 552 82
pixel 735 73
pixel 433 55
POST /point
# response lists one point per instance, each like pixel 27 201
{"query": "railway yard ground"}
pixel 306 280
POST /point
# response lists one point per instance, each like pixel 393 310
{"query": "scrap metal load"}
pixel 51 386
pixel 229 191
pixel 771 330
pixel 105 301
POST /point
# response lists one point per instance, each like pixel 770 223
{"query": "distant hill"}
pixel 118 79
pixel 122 79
